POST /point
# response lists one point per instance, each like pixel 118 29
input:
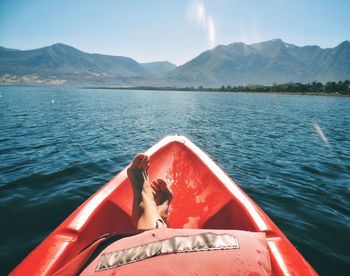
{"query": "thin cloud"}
pixel 198 15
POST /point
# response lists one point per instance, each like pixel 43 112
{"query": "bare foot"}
pixel 162 197
pixel 138 175
pixel 138 172
pixel 151 199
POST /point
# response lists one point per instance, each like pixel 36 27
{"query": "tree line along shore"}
pixel 315 88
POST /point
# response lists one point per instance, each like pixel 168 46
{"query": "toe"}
pixel 145 162
pixel 137 161
pixel 162 184
pixel 155 186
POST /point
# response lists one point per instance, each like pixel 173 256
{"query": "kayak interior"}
pixel 204 198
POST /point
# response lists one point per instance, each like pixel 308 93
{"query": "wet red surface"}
pixel 204 197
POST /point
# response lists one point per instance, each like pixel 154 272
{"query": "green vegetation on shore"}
pixel 314 88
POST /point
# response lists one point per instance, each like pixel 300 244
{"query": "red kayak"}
pixel 214 228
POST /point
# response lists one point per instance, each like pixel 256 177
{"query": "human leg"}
pixel 151 199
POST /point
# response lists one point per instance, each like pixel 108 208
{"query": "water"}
pixel 291 154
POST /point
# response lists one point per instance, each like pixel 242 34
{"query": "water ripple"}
pixel 53 156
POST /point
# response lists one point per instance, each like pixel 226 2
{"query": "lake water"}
pixel 291 154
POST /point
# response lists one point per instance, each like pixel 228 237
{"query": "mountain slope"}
pixel 62 61
pixel 159 67
pixel 267 62
pixel 273 61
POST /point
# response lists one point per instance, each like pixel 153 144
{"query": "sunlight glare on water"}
pixel 321 134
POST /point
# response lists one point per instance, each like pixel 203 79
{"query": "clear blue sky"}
pixel 174 30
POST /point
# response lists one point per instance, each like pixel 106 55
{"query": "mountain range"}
pixel 273 61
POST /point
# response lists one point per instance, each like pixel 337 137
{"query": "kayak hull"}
pixel 204 198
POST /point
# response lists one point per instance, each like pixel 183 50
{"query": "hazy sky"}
pixel 176 30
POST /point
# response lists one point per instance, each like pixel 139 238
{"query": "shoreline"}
pixel 208 90
pixel 211 90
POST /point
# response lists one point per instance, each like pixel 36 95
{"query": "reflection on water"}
pixel 321 134
pixel 290 154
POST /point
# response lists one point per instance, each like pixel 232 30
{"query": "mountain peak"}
pixel 275 41
pixel 157 67
pixel 61 46
pixel 345 43
pixel 271 41
pixel 7 49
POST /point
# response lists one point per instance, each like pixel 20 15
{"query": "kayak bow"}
pixel 204 198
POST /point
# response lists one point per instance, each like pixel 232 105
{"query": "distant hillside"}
pixel 159 67
pixel 62 62
pixel 267 62
pixel 273 61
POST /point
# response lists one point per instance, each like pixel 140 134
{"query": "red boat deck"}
pixel 204 198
